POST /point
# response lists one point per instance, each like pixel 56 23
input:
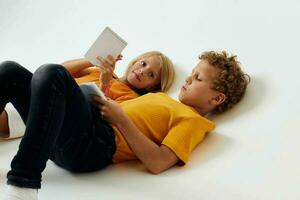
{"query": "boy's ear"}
pixel 217 100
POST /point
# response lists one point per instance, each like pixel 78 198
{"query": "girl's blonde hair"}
pixel 167 70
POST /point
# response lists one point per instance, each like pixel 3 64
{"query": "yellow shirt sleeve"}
pixel 92 76
pixel 185 136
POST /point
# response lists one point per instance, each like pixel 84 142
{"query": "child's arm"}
pixel 77 67
pixel 156 158
pixel 107 68
pixel 4 129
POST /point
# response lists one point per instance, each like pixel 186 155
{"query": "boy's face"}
pixel 197 90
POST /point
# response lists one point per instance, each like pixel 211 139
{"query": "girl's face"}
pixel 145 73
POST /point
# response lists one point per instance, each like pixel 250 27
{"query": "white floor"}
pixel 253 153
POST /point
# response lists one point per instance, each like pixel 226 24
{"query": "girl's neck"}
pixel 139 91
pixel 123 80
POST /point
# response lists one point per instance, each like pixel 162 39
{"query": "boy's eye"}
pixel 195 76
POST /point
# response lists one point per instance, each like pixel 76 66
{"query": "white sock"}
pixel 18 193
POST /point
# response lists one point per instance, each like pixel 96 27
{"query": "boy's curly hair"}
pixel 231 80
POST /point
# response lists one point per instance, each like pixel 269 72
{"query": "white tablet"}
pixel 108 42
pixel 90 88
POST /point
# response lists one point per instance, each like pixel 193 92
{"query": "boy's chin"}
pixel 180 97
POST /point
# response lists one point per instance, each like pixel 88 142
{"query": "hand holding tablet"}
pixel 108 43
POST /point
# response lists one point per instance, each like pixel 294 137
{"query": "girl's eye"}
pixel 143 63
pixel 151 75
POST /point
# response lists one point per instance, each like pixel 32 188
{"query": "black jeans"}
pixel 61 124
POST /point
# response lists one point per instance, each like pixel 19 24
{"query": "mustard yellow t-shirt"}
pixel 164 121
pixel 92 75
pixel 116 90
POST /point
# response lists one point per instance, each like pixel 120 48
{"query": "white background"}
pixel 254 151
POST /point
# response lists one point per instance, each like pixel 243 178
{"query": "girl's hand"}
pixel 109 110
pixel 109 62
pixel 107 68
pixel 119 57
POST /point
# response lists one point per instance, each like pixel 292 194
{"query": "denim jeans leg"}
pixel 15 87
pixel 54 97
pixel 86 152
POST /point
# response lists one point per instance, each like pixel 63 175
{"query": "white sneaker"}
pixel 18 193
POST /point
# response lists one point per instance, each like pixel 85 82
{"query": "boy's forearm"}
pixel 76 65
pixel 146 150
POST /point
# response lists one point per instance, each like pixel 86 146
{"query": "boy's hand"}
pixel 109 110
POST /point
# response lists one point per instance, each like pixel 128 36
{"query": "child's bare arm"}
pixel 107 71
pixel 107 68
pixel 4 128
pixel 77 67
pixel 156 158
